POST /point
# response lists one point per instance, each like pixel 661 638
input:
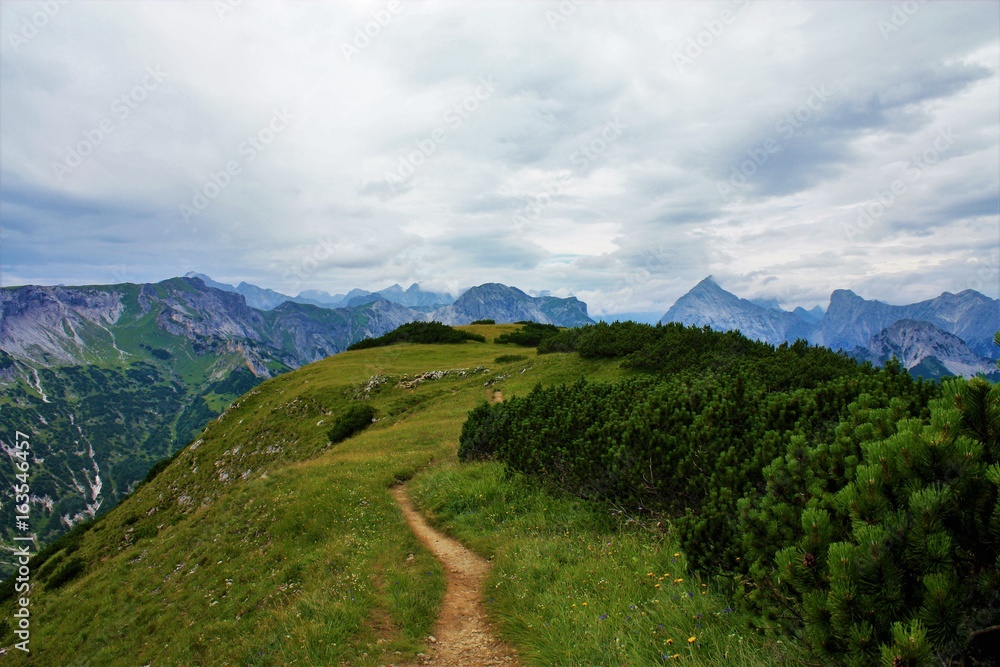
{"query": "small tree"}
pixel 356 419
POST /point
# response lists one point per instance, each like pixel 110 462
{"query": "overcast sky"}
pixel 618 151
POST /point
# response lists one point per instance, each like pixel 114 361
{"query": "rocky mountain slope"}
pixel 509 304
pixel 950 334
pixel 707 304
pixel 110 379
pixel 851 320
pixel 924 350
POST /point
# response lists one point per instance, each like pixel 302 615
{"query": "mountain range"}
pixel 951 334
pixel 266 299
pixel 111 379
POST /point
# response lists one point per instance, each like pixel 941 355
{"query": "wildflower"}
pixel 677 554
pixel 692 639
pixel 678 581
pixel 670 641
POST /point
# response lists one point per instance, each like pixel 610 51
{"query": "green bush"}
pixel 478 438
pixel 901 540
pixel 529 335
pixel 419 332
pixel 857 506
pixel 356 419
pixel 563 340
pixel 69 571
pixel 484 321
pixel 509 358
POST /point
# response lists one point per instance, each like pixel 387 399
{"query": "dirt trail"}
pixel 463 637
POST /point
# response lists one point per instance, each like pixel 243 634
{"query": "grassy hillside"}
pixel 263 544
pixel 259 544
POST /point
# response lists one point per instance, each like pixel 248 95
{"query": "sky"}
pixel 615 151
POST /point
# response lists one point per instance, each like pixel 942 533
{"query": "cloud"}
pixel 331 146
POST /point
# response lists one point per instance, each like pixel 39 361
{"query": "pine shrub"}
pixel 354 420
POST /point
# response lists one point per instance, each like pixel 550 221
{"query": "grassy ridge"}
pixel 263 545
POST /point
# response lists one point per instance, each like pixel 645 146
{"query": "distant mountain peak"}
pixel 852 323
pixel 924 349
pixel 510 304
pixel 708 304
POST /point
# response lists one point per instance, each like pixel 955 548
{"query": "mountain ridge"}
pixel 267 299
pixel 858 326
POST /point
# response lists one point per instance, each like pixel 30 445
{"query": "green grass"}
pixel 262 544
pixel 572 584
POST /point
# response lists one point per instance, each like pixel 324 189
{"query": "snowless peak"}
pixel 706 283
pixel 843 295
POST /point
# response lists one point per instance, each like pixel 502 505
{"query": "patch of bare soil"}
pixel 462 637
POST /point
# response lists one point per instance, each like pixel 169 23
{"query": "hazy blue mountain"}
pixel 811 316
pixel 924 350
pixel 707 304
pixel 320 298
pixel 861 327
pixel 256 297
pixel 415 297
pixel 769 304
pixel 267 299
pixel 509 304
pixel 851 320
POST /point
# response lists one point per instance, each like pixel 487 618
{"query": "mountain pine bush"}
pixel 354 420
pixel 901 564
pixel 857 506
